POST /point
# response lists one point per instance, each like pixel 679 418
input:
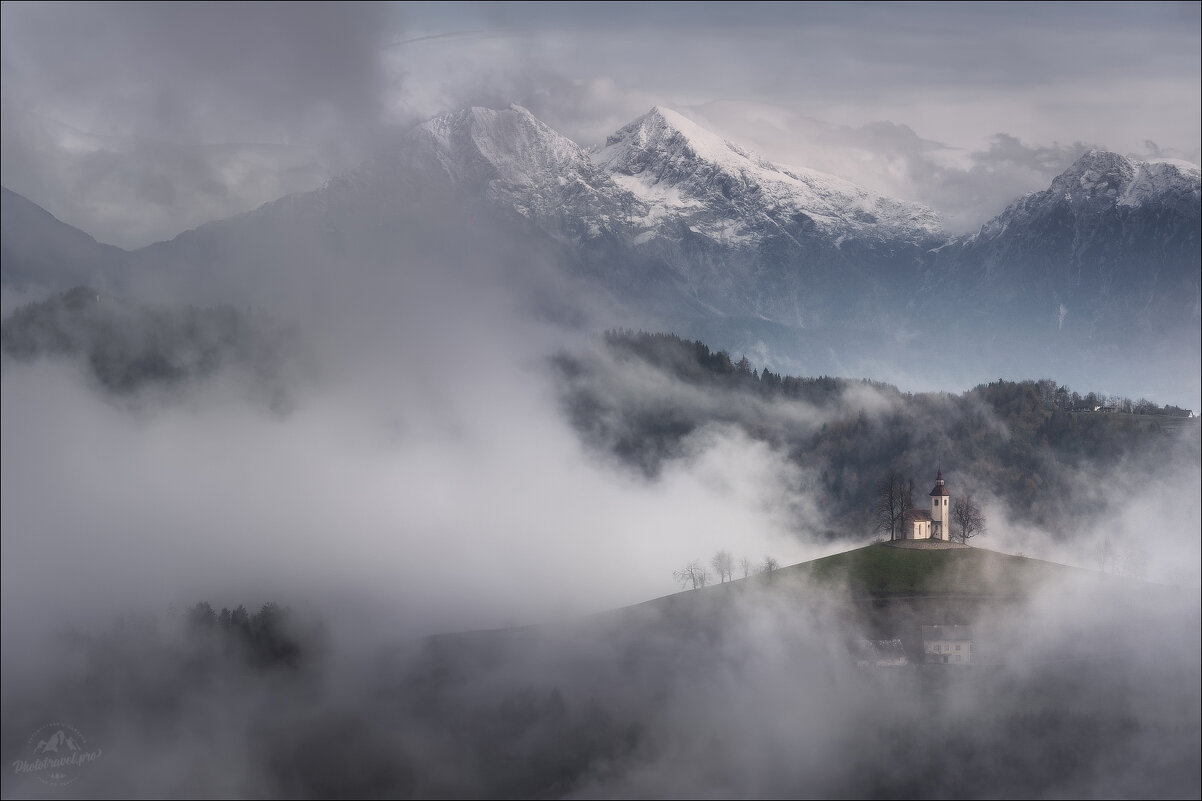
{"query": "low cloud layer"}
pixel 422 464
pixel 1084 688
pixel 150 120
pixel 426 478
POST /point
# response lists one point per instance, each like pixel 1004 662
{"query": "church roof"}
pixel 940 489
pixel 915 514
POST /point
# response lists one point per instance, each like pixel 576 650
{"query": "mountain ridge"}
pixel 1100 170
pixel 684 230
pixel 1113 241
pixel 665 147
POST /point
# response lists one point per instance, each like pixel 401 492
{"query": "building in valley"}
pixel 948 645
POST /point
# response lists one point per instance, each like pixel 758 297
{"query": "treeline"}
pixel 271 637
pixel 1061 398
pixel 252 703
pixel 694 361
pixel 126 346
pixel 1019 441
pixel 696 575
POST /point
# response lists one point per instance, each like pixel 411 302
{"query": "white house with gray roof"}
pixel 948 645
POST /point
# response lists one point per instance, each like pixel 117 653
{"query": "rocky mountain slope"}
pixel 36 246
pixel 733 233
pixel 1113 244
pixel 671 227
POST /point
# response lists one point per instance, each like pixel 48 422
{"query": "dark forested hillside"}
pixel 127 346
pixel 1037 446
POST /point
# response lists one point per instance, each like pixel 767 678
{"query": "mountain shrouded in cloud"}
pixel 136 125
pixel 40 250
pixel 676 227
pixel 1114 237
pixel 675 165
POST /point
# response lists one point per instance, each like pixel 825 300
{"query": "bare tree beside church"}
pixel 894 500
pixel 967 518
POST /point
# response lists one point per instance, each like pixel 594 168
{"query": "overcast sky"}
pixel 135 122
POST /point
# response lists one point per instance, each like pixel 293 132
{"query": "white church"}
pixel 935 524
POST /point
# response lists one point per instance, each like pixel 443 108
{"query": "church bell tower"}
pixel 940 510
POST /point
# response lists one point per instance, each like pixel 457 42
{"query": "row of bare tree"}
pixel 695 575
pixel 895 506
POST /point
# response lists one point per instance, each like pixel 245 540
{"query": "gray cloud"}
pixel 967 90
pixel 431 429
pixel 1151 150
pixel 255 72
pixel 967 186
pixel 137 121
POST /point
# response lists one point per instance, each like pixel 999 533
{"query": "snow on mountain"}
pixel 1096 187
pixel 680 170
pixel 678 228
pixel 1102 179
pixel 510 147
pixel 1112 244
pixel 669 204
pixel 656 176
pixel 1162 179
pixel 671 217
pixel 517 162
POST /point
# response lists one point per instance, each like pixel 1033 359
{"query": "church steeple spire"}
pixel 940 509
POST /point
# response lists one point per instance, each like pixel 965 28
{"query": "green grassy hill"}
pixel 882 591
pixel 884 570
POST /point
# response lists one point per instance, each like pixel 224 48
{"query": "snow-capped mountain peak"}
pixel 477 145
pixel 1101 181
pixel 1097 180
pixel 1102 178
pixel 1164 178
pixel 520 164
pixel 1110 232
pixel 679 169
pixel 664 131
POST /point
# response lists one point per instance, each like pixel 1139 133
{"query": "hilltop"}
pixel 882 591
pixel 886 589
pixel 901 570
pixel 908 569
pixel 559 709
